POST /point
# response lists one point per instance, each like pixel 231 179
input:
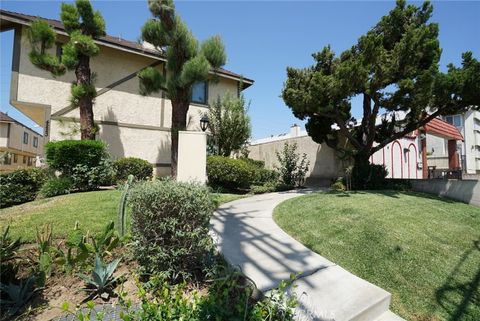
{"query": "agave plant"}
pixel 15 296
pixel 102 280
pixel 8 248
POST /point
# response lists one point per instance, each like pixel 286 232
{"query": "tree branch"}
pixel 409 128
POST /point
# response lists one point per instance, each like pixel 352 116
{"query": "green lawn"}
pixel 424 250
pixel 93 210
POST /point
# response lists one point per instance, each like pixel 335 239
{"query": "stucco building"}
pixel 20 146
pixel 403 158
pixel 468 124
pixel 131 124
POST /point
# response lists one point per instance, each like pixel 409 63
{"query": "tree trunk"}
pixel 179 122
pixel 85 104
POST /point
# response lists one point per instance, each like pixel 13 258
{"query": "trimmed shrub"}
pixel 139 168
pixel 65 155
pixel 338 186
pixel 229 173
pixel 170 224
pixel 85 162
pixel 21 186
pixel 87 178
pixel 369 176
pixel 56 186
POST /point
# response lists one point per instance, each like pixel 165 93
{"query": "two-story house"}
pixel 468 124
pixel 130 124
pixel 20 146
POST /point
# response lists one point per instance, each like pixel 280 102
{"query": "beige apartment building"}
pixel 130 124
pixel 20 146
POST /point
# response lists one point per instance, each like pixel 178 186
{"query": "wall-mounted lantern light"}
pixel 204 123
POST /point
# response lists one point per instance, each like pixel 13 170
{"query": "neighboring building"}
pixel 20 146
pixel 402 157
pixel 468 124
pixel 131 124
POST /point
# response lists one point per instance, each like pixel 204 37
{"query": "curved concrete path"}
pixel 248 238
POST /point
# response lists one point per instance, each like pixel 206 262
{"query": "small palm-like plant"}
pixel 102 281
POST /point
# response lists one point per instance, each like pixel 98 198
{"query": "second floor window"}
pixel 199 93
pixel 25 137
pixel 35 141
pixel 455 120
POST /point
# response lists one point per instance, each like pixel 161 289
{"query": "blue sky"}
pixel 264 37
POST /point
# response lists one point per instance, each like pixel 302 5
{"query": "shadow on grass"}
pixel 456 295
pixel 393 194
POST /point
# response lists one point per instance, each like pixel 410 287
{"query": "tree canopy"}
pixel 82 25
pixel 188 62
pixel 394 67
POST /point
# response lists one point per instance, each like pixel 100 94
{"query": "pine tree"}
pixel 187 63
pixel 83 25
pixel 395 68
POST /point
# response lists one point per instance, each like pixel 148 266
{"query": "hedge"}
pixel 21 186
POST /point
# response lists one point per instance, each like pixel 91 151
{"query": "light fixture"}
pixel 204 123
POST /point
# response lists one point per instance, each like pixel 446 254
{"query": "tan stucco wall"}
pixel 123 104
pixel 15 140
pixel 324 165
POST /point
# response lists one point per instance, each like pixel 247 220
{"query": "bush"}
pixel 266 188
pixel 65 155
pixel 293 168
pixel 170 224
pixel 229 173
pixel 85 162
pixel 338 186
pixel 87 178
pixel 56 186
pixel 21 186
pixel 369 176
pixel 139 168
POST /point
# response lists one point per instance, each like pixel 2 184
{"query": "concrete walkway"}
pixel 248 238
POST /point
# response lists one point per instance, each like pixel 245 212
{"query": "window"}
pixel 35 141
pixel 455 120
pixel 15 158
pixel 29 161
pixel 25 137
pixel 7 159
pixel 24 160
pixel 199 93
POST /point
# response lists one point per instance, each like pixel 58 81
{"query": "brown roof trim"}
pixel 114 42
pixel 4 118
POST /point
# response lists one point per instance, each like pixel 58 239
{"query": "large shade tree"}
pixel 83 25
pixel 188 62
pixel 394 68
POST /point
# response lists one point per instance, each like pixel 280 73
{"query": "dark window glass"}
pixel 35 141
pixel 199 92
pixel 25 137
pixel 24 159
pixel 15 158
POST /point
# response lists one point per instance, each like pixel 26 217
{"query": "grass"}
pixel 422 249
pixel 93 210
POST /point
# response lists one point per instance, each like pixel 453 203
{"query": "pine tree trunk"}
pixel 179 123
pixel 85 104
